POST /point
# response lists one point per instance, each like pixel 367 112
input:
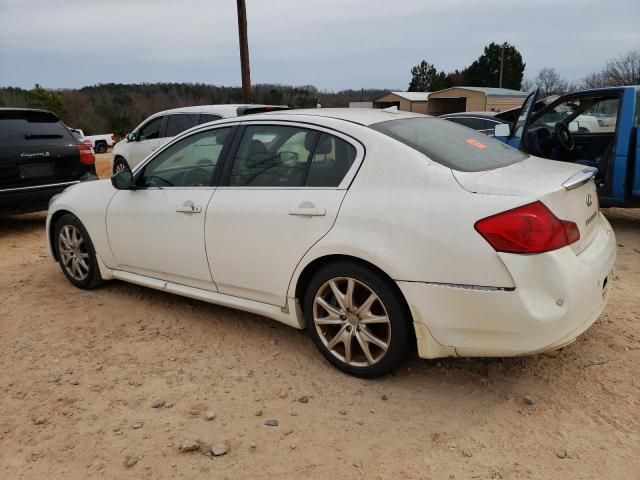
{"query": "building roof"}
pixel 491 91
pixel 413 96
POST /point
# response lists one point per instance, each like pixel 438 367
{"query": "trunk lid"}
pixel 540 179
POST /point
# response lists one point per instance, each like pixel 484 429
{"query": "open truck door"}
pixel 514 133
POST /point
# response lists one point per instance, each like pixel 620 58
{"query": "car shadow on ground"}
pixel 22 224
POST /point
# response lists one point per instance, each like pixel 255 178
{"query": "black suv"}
pixel 39 157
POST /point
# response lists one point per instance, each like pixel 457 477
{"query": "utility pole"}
pixel 244 51
pixel 501 64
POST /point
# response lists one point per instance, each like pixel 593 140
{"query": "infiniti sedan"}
pixel 378 232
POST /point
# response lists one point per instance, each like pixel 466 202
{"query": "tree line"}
pixel 485 72
pixel 119 108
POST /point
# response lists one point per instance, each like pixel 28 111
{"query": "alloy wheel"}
pixel 119 167
pixel 351 321
pixel 73 252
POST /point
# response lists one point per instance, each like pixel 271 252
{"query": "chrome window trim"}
pixel 38 187
pixel 344 184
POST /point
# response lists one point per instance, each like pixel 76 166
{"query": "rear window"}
pixel 450 144
pixel 32 128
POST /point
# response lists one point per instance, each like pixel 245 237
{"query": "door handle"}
pixel 188 207
pixel 153 149
pixel 308 211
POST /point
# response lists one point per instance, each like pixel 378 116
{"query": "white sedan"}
pixel 376 231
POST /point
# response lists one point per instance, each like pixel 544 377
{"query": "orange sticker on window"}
pixel 476 143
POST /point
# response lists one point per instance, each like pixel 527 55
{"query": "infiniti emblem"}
pixel 589 200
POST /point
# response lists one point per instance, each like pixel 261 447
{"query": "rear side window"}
pixel 284 156
pixel 208 117
pixel 180 122
pixel 33 129
pixel 272 156
pixel 450 144
pixel 331 161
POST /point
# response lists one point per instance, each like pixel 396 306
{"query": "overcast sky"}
pixel 332 44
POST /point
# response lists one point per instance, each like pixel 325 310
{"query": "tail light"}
pixel 532 228
pixel 113 138
pixel 86 153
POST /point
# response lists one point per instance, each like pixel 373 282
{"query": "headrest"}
pixel 256 147
pixel 324 145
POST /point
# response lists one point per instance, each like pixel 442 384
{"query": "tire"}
pixel 359 328
pixel 84 274
pixel 120 164
pixel 101 147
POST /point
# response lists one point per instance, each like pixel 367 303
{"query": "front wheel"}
pixel 120 164
pixel 357 319
pixel 76 254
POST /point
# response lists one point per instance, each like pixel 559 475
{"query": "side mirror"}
pixel 502 130
pixel 122 180
pixel 132 137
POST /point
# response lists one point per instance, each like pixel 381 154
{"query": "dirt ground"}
pixel 79 372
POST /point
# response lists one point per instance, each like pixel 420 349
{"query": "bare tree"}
pixel 550 83
pixel 625 70
pixel 527 85
pixel 595 80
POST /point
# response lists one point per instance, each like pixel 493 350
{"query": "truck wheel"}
pixel 101 147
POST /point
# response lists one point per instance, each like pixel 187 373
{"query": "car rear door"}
pixel 36 149
pixel 281 191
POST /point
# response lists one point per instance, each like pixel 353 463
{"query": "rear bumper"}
pixel 558 296
pixel 35 198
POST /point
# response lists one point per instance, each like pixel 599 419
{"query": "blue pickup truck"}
pixel 597 128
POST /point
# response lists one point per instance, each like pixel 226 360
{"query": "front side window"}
pixel 450 144
pixel 583 115
pixel 150 130
pixel 180 122
pixel 190 162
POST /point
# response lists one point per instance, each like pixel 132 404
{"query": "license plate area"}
pixel 36 170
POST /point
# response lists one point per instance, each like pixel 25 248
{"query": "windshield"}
pixel 449 144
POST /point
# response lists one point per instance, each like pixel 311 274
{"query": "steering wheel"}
pixel 196 177
pixel 565 139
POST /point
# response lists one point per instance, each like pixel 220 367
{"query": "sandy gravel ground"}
pixel 79 372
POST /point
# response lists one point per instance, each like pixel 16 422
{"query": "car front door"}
pixel 157 229
pixel 147 140
pixel 280 193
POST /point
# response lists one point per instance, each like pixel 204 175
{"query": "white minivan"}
pixel 161 127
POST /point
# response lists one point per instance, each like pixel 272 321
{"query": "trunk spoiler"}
pixel 580 178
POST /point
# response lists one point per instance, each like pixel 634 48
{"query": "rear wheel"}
pixel 101 147
pixel 357 319
pixel 76 254
pixel 120 164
